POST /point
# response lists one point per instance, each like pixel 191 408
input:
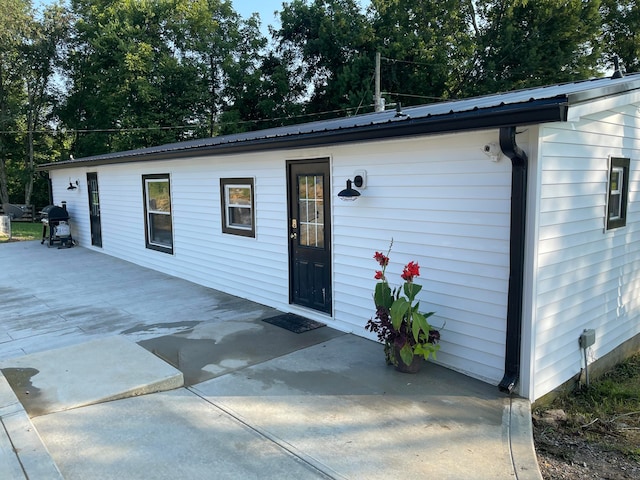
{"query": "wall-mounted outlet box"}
pixel 587 338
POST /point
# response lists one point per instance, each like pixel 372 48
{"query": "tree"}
pixel 621 20
pixel 13 33
pixel 330 42
pixel 127 88
pixel 426 47
pixel 225 51
pixel 40 55
pixel 524 43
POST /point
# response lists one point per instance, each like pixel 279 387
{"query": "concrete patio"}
pixel 241 398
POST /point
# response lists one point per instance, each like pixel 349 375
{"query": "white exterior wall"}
pixel 445 204
pixel 585 277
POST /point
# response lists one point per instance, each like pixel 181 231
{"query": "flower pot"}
pixel 414 367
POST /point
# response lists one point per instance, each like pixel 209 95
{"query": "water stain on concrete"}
pixel 183 327
pixel 224 347
pixel 20 381
pixel 188 355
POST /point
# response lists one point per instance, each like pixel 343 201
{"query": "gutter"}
pixel 517 241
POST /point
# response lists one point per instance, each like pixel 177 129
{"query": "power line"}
pixel 183 127
pixel 395 60
pixel 418 96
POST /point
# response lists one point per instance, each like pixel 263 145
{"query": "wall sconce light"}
pixel 350 194
pixel 72 186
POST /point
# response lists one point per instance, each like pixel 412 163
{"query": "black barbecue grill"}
pixel 57 219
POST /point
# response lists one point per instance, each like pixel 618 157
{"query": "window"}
pixel 618 193
pixel 157 211
pixel 238 216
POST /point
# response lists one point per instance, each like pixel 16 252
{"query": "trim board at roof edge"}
pixel 576 112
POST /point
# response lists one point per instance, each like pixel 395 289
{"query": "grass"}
pixel 608 411
pixel 23 231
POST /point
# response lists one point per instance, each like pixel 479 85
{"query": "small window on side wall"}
pixel 238 213
pixel 618 193
pixel 157 212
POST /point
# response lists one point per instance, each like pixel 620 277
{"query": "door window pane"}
pixel 311 210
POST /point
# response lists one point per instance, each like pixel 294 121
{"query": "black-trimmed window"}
pixel 618 193
pixel 238 215
pixel 157 212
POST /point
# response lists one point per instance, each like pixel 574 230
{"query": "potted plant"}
pixel 400 326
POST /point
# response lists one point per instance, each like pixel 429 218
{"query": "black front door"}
pixel 309 234
pixel 94 209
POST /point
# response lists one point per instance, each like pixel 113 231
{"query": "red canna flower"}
pixel 382 259
pixel 379 275
pixel 411 270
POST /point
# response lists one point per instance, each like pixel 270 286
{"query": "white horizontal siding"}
pixel 77 202
pixel 586 277
pixel 444 202
pixel 446 205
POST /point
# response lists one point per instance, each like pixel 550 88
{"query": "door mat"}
pixel 294 323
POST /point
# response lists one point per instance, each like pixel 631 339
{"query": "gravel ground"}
pixel 564 453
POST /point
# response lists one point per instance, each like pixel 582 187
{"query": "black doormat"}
pixel 294 323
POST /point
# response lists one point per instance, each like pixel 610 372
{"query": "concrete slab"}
pixel 22 452
pixel 339 404
pixel 327 408
pixel 167 435
pixel 92 372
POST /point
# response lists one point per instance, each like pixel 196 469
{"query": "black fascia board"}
pixel 532 112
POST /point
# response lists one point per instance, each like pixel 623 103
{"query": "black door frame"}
pixel 94 209
pixel 319 260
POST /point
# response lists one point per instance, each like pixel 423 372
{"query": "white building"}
pixel 521 208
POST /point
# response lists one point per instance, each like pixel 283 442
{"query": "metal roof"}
pixel 521 107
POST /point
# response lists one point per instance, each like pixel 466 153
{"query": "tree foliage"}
pixel 522 43
pixel 97 76
pixel 426 46
pixel 621 19
pixel 329 43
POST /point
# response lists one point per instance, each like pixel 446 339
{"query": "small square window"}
pixel 618 193
pixel 238 215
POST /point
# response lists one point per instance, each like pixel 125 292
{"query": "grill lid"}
pixel 53 212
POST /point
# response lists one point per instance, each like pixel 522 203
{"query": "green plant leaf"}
pixel 411 290
pixel 382 295
pixel 426 350
pixel 419 325
pixel 398 311
pixel 406 354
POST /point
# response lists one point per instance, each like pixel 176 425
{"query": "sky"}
pixel 264 7
pixel 244 7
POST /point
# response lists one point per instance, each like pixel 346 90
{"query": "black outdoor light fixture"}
pixel 350 194
pixel 72 186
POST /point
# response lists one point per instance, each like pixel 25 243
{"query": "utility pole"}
pixel 378 101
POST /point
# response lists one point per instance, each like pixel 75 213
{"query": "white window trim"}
pixel 226 184
pixel 229 205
